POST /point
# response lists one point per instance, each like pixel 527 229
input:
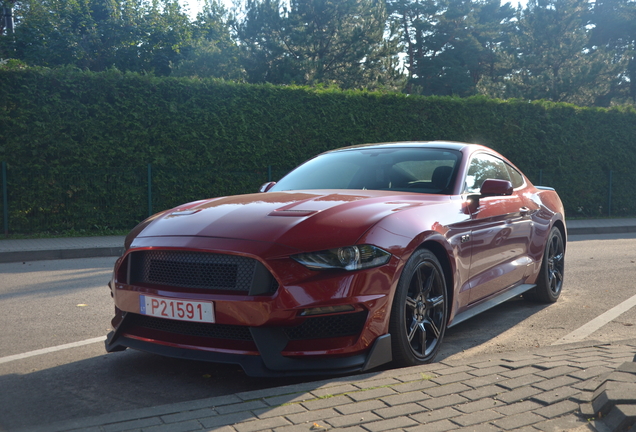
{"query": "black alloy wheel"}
pixel 420 310
pixel 550 279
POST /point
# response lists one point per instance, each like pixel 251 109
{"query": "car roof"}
pixel 449 145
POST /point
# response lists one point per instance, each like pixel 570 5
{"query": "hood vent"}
pixel 293 213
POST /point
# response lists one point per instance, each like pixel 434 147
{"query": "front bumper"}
pixel 269 363
pixel 268 328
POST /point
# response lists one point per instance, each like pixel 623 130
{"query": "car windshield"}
pixel 424 170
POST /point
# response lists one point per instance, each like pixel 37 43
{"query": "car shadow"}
pixel 116 382
pixel 127 380
pixel 487 325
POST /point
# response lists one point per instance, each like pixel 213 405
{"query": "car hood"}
pixel 303 220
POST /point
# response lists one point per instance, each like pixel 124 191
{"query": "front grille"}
pixel 216 331
pixel 200 270
pixel 328 326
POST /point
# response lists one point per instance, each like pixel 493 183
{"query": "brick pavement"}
pixel 548 389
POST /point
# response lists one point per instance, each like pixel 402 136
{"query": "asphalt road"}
pixel 47 304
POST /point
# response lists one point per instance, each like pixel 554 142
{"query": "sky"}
pixel 194 6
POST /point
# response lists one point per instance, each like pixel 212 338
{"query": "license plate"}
pixel 184 310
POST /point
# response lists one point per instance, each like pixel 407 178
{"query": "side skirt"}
pixel 490 303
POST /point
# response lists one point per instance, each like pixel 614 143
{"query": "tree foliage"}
pixel 576 51
pixel 213 52
pixel 97 34
pixel 614 27
pixel 552 58
pixel 451 44
pixel 316 42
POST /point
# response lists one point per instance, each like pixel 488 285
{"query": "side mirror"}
pixel 493 187
pixel 267 186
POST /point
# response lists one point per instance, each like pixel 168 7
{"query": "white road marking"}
pixel 51 349
pixel 584 331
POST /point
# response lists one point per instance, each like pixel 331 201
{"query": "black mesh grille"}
pixel 217 331
pixel 328 326
pixel 193 274
pixel 200 270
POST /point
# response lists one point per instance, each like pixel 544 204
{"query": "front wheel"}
pixel 420 311
pixel 550 279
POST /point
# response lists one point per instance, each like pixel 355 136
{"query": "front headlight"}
pixel 346 258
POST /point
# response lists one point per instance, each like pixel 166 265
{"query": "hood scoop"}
pixel 184 212
pixel 293 213
pixel 313 204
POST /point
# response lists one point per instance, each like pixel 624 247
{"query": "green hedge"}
pixel 77 144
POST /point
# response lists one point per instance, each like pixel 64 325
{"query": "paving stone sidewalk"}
pixel 15 250
pixel 547 389
pixel 601 226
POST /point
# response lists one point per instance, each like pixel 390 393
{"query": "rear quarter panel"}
pixel 550 213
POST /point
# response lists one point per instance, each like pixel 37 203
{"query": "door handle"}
pixel 524 211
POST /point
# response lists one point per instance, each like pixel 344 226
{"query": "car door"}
pixel 501 228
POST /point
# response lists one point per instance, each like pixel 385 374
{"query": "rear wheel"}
pixel 420 311
pixel 550 279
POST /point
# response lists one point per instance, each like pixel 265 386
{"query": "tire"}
pixel 550 279
pixel 420 311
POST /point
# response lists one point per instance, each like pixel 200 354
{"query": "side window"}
pixel 483 167
pixel 515 177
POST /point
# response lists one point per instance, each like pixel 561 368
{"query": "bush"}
pixel 205 137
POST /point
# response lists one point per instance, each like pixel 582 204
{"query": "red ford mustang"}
pixel 359 257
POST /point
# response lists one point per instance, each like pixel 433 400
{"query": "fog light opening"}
pixel 327 310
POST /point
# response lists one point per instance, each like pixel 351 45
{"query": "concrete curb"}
pixel 55 254
pixel 601 230
pixel 581 227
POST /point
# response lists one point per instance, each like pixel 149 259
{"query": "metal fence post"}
pixel 5 207
pixel 149 190
pixel 609 204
